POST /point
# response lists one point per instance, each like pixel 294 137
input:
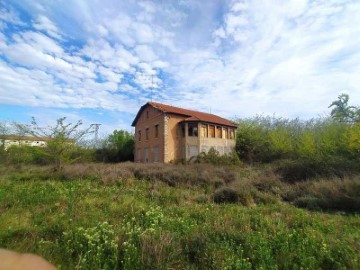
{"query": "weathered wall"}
pixel 154 117
pixel 224 146
pixel 173 138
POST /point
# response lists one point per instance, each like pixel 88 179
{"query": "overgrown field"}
pixel 131 216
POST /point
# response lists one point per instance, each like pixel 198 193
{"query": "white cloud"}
pixel 40 41
pixel 286 57
pixel 110 75
pixel 9 16
pixel 145 53
pixel 44 24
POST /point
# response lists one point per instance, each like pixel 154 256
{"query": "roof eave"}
pixel 209 122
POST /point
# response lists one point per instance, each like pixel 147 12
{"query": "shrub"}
pixel 332 194
pixel 304 169
pixel 18 155
pixel 213 157
pixel 226 195
pixel 303 149
pixel 93 248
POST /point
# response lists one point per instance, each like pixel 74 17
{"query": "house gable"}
pixel 189 115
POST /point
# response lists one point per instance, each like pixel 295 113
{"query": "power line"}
pixel 96 131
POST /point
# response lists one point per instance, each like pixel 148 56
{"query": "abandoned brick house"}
pixel 166 133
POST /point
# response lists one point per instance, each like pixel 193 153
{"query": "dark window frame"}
pixel 157 131
pixel 147 134
pixel 193 130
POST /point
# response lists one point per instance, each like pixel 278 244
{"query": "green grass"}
pixel 86 223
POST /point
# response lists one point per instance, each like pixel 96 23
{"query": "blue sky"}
pixel 96 60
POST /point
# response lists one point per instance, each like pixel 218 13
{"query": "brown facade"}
pixel 164 134
pixel 149 136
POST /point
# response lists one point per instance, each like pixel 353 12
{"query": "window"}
pixel 204 131
pixel 156 131
pixel 211 131
pixel 138 156
pixel 192 129
pixel 156 154
pixel 226 133
pixel 146 155
pixel 147 114
pixel 218 132
pixel 232 134
pixel 147 133
pixel 139 135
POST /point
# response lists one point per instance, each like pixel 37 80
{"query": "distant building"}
pixel 10 140
pixel 166 133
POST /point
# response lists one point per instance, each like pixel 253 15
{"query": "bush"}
pixel 226 195
pixel 18 155
pixel 302 149
pixel 332 194
pixel 304 169
pixel 213 157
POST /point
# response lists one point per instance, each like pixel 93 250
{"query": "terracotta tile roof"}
pixel 192 116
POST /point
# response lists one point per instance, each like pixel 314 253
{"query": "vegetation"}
pixel 98 216
pixel 66 144
pixel 301 149
pixel 213 157
pixel 288 198
pixel 343 112
pixel 117 147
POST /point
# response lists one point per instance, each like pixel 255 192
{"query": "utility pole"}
pixel 96 127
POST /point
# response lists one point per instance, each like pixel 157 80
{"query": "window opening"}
pixel 204 131
pixel 156 131
pixel 211 131
pixel 192 129
pixel 147 133
pixel 218 132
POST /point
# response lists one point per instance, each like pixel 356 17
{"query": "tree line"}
pixel 66 143
pixel 301 149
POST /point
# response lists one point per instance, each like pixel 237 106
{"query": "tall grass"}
pixel 82 221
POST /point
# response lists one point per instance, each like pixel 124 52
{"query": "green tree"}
pixel 118 146
pixel 343 112
pixel 61 140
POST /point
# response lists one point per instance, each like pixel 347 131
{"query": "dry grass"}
pixel 196 174
pixel 252 185
pixel 332 194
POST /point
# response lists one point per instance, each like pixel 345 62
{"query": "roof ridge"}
pixel 151 102
pixel 187 113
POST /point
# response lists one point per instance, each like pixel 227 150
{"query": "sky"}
pixel 99 61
